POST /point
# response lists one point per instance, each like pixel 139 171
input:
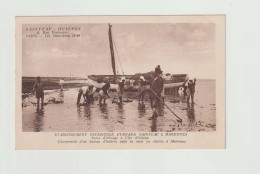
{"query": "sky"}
pixel 187 48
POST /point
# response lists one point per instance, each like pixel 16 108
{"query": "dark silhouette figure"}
pixel 191 90
pixel 38 88
pixel 156 89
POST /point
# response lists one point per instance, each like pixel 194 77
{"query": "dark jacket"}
pixel 157 85
pixel 191 86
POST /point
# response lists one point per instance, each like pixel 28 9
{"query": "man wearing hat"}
pixel 61 83
pixel 141 88
pixel 156 90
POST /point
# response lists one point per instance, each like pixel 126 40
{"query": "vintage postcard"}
pixel 120 82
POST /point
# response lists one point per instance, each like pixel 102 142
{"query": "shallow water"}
pixel 126 117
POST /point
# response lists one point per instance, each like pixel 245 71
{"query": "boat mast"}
pixel 112 50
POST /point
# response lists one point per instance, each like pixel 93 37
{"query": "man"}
pixel 91 92
pixel 141 88
pixel 120 89
pixel 38 88
pixel 82 91
pixel 103 93
pixel 156 89
pixel 61 83
pixel 191 90
pixel 88 94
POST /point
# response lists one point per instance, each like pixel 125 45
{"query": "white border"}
pixel 243 82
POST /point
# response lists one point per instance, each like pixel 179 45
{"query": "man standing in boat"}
pixel 156 89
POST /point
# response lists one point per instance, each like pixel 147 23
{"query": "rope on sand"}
pixel 179 119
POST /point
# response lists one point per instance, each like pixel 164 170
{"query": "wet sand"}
pixel 66 116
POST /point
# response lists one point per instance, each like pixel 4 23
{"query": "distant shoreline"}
pixel 83 78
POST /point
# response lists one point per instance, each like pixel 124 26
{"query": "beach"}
pixel 66 116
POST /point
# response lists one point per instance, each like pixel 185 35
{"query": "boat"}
pixel 171 81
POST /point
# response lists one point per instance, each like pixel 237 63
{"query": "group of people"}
pixel 187 91
pixel 141 88
pixel 88 93
pixel 156 90
pixel 38 89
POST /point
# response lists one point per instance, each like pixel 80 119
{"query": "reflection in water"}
pixel 191 114
pixel 120 110
pixel 79 111
pixel 84 111
pixel 87 111
pixel 103 110
pixel 154 124
pixel 68 117
pixel 84 115
pixel 141 109
pixel 38 120
pixel 61 96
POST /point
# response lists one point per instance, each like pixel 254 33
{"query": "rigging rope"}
pixel 109 68
pixel 118 54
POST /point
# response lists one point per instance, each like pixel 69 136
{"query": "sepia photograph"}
pixel 119 76
pixel 129 87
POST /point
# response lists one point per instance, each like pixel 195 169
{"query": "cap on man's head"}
pixel 158 70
